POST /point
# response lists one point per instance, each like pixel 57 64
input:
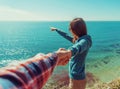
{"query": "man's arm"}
pixel 32 73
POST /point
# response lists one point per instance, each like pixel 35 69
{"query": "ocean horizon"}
pixel 22 40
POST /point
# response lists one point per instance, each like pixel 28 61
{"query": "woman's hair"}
pixel 78 27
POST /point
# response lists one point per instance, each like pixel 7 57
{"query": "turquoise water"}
pixel 21 40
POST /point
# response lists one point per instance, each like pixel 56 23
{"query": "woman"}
pixel 78 52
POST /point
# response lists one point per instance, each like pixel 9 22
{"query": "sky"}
pixel 59 10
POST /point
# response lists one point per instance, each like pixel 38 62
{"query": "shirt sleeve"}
pixel 79 47
pixel 65 35
pixel 31 74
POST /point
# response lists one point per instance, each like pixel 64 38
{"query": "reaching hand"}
pixel 53 28
pixel 63 56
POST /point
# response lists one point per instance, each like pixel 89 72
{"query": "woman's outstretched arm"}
pixel 63 34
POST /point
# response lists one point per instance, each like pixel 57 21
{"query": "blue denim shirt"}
pixel 79 52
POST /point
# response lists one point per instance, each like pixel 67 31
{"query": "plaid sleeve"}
pixel 31 74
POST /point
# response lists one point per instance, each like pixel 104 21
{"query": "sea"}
pixel 22 40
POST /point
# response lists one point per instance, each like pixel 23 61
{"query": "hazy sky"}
pixel 59 9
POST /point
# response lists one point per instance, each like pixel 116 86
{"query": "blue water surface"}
pixel 21 40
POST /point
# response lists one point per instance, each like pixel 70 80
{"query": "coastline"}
pixel 92 82
pixel 101 74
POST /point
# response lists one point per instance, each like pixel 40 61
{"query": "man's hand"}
pixel 63 56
